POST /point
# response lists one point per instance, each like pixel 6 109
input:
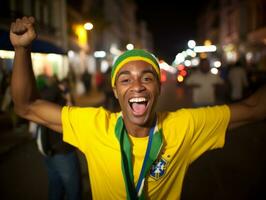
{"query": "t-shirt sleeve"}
pixel 209 126
pixel 81 125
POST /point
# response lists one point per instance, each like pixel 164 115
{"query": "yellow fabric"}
pixel 187 133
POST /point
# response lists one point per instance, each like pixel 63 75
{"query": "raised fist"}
pixel 22 32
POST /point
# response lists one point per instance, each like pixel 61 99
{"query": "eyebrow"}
pixel 123 73
pixel 149 71
pixel 127 72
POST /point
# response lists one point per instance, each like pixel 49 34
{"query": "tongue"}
pixel 138 108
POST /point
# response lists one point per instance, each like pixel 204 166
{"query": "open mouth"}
pixel 138 105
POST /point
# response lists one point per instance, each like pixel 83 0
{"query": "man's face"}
pixel 137 88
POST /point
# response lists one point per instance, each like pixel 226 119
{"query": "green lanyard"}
pixel 153 149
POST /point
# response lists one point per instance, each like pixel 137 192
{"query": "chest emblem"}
pixel 158 169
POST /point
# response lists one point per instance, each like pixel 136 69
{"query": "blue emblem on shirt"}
pixel 158 169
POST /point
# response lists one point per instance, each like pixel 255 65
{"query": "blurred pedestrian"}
pixel 61 160
pixel 86 78
pixel 137 153
pixel 238 80
pixel 110 101
pixel 64 86
pixel 99 80
pixel 204 85
pixel 6 104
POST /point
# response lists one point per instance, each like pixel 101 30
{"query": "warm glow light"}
pixel 187 63
pixel 99 54
pixel 53 57
pixel 183 73
pixel 231 56
pixel 190 52
pixel 180 67
pixel 81 33
pixel 193 54
pixel 179 58
pixel 184 53
pixel 191 44
pixel 209 48
pixel 207 42
pixel 180 78
pixel 114 50
pixel 163 65
pixel 7 54
pixel 214 70
pixel 70 54
pixel 203 55
pixel 217 64
pixel 42 62
pixel 249 56
pixel 195 62
pixel 88 26
pixel 163 76
pixel 130 46
pixel 104 66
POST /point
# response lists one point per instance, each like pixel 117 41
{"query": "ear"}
pixel 115 92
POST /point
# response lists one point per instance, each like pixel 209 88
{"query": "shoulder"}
pixel 175 117
pixel 199 114
pixel 98 113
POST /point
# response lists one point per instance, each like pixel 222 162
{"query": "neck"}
pixel 139 131
pixel 136 130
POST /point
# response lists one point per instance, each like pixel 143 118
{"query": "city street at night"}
pixel 132 100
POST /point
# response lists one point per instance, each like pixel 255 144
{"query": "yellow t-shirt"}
pixel 187 134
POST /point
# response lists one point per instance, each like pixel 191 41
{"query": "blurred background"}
pixel 78 40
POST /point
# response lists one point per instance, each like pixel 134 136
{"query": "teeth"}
pixel 134 100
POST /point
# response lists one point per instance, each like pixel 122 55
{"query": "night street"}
pixel 116 78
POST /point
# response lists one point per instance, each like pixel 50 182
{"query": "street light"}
pixel 130 46
pixel 191 44
pixel 88 26
pixel 81 32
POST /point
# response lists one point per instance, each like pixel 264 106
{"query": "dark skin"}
pixel 135 80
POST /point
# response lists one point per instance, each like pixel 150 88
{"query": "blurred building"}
pixel 64 44
pixel 237 27
pixel 116 27
pixel 50 48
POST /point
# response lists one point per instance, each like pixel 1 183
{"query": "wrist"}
pixel 22 48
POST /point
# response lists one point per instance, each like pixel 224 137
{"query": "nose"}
pixel 137 86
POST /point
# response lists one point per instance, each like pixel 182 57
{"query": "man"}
pixel 238 80
pixel 138 153
pixel 60 158
pixel 204 84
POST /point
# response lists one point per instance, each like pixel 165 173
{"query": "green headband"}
pixel 133 55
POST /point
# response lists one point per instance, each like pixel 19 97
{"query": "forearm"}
pixel 23 86
pixel 258 103
pixel 249 110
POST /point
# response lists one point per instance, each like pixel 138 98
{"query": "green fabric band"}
pixel 153 149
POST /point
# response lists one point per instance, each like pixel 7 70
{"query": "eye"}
pixel 147 78
pixel 124 79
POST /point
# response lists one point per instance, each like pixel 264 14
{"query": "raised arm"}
pixel 249 110
pixel 23 86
